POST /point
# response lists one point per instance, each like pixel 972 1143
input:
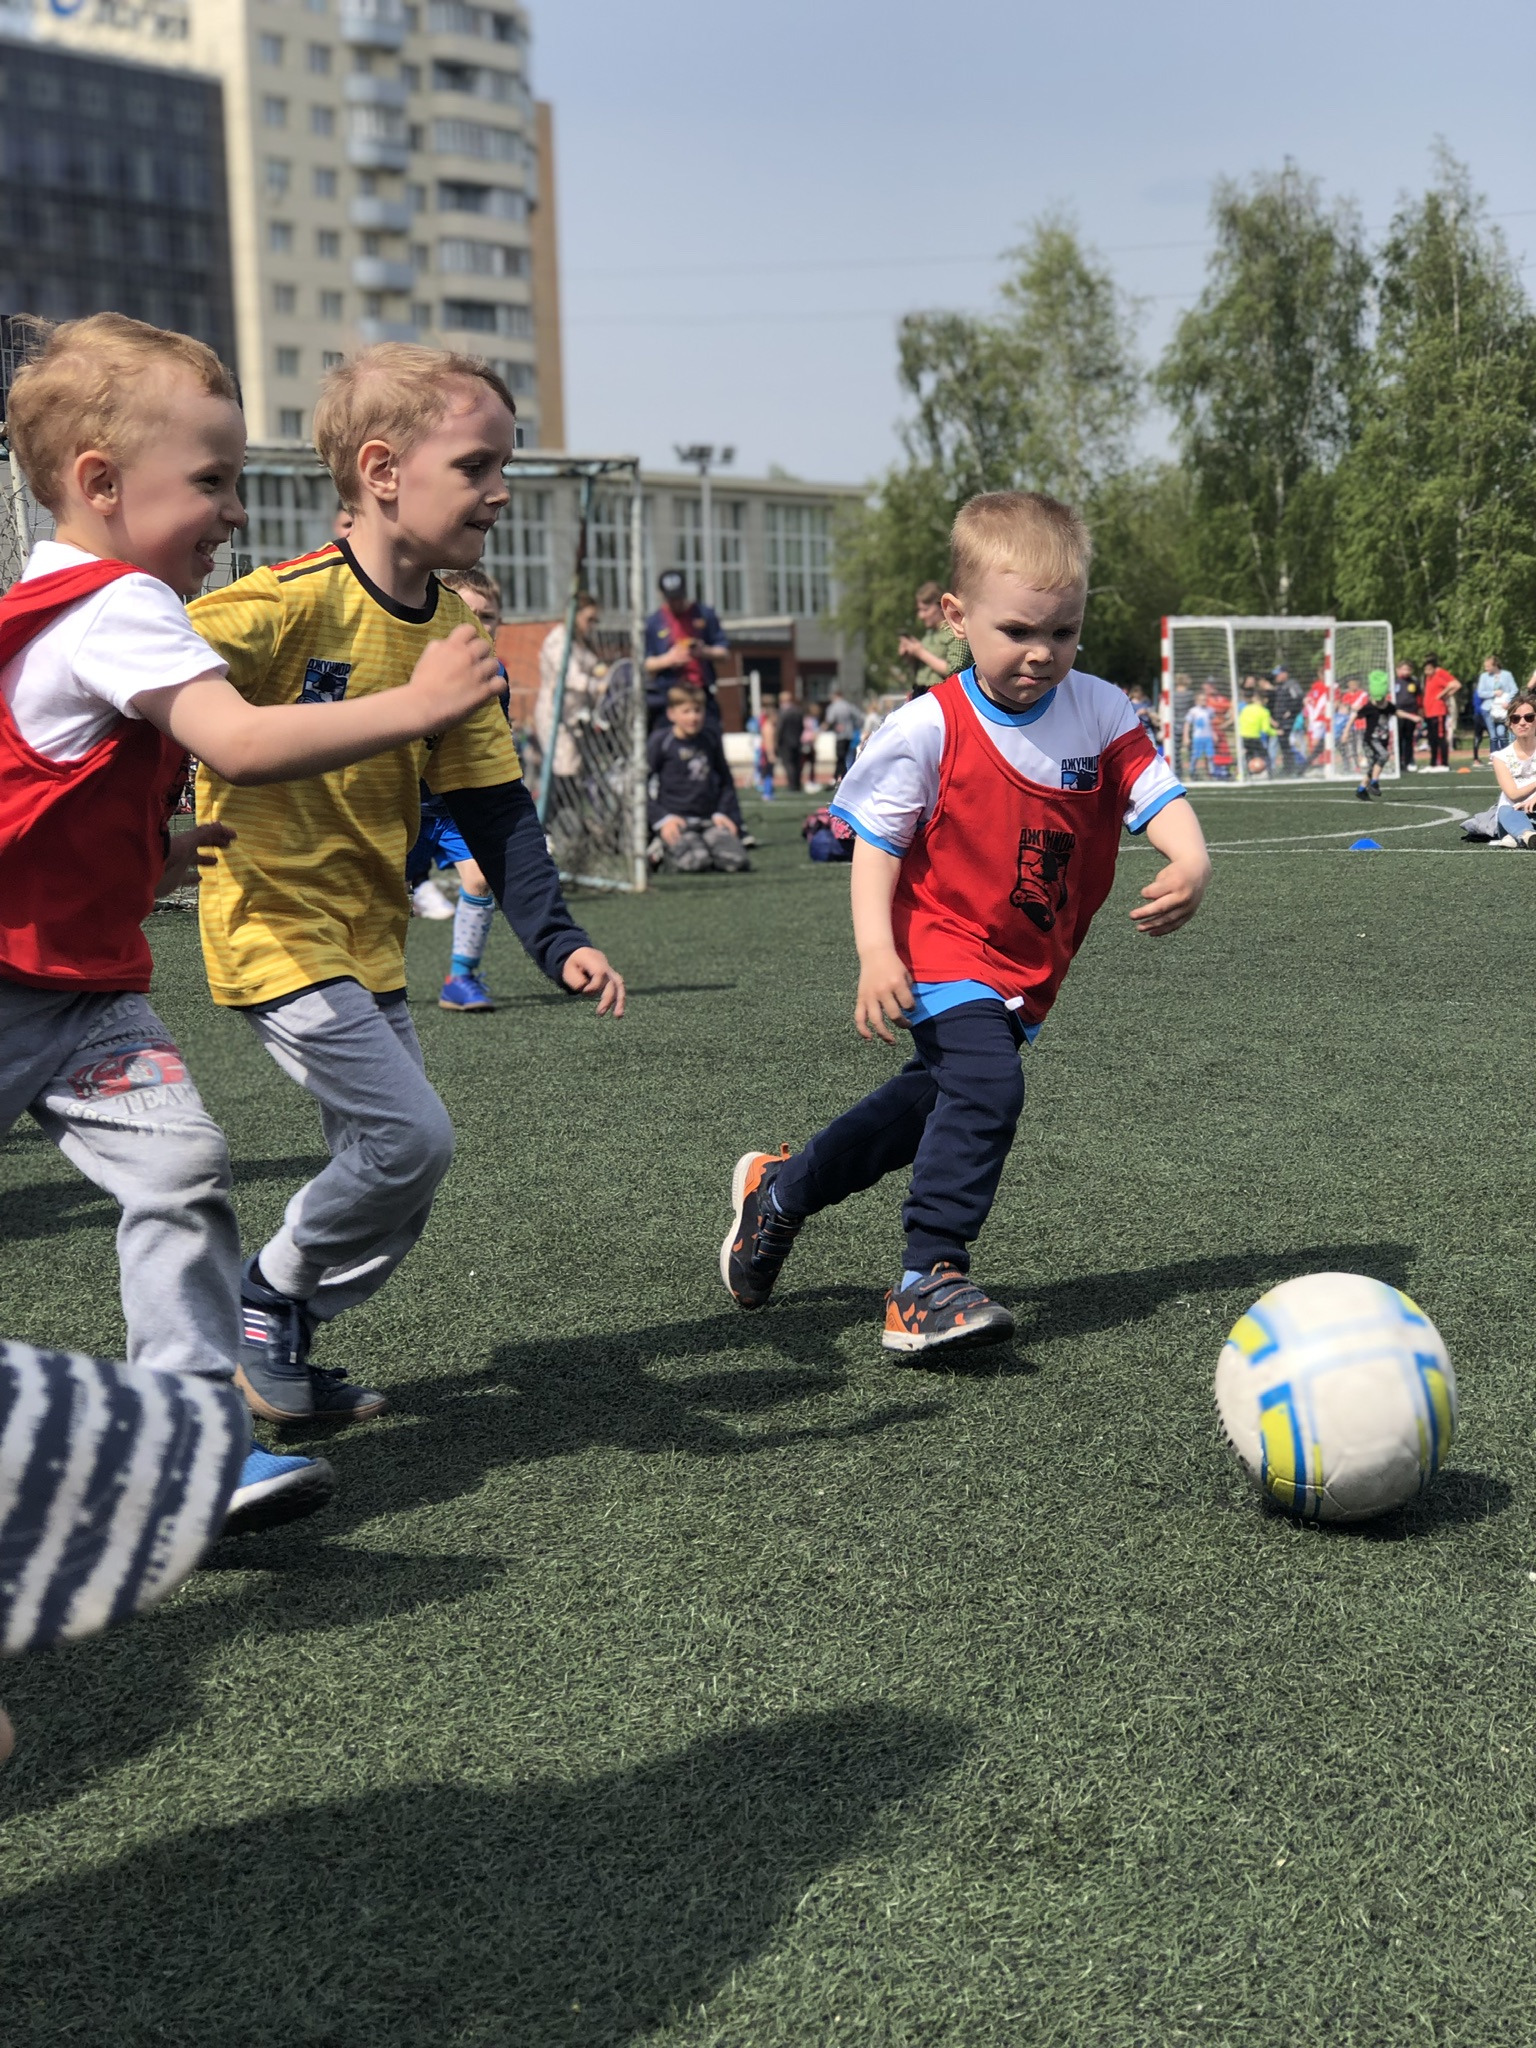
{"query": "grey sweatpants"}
pixel 102 1077
pixel 389 1137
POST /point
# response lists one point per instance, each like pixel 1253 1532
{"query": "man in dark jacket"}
pixel 694 812
pixel 683 640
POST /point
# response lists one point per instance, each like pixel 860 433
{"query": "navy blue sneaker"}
pixel 465 992
pixel 275 1374
pixel 760 1239
pixel 273 1490
pixel 943 1307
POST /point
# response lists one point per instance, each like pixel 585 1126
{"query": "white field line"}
pixel 1445 814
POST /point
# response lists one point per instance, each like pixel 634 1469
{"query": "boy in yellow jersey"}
pixel 304 923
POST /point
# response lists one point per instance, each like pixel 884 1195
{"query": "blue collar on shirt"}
pixel 995 712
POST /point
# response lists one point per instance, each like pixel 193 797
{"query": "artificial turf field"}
pixel 662 1674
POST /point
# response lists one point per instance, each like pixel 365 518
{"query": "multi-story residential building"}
pixel 388 177
pixel 112 190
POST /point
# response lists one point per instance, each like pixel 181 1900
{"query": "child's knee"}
pixel 415 1152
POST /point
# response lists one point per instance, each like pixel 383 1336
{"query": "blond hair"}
pixel 98 383
pixel 396 391
pixel 1036 536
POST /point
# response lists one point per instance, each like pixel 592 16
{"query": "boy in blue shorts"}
pixel 988 814
pixel 1200 739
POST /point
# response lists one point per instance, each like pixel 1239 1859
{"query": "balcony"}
pixel 393 216
pixel 363 89
pixel 383 274
pixel 373 24
pixel 377 138
pixel 386 330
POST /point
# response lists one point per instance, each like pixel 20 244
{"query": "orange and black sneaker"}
pixel 943 1306
pixel 760 1238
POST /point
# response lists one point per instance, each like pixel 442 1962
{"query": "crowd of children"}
pixel 344 711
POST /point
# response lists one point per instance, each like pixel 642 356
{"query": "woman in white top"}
pixel 586 684
pixel 1515 766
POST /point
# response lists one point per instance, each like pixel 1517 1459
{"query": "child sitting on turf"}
pixel 440 841
pixel 694 811
pixel 988 815
pixel 133 439
pixel 304 926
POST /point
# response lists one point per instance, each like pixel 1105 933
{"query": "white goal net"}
pixel 1253 701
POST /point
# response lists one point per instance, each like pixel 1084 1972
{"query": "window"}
pixel 331 358
pixel 410 75
pixel 320 59
pixel 322 120
pixel 373 305
pixel 330 305
pixel 271 49
pixel 421 313
pixel 373 242
pixel 290 424
pixel 278 172
pixel 327 244
pixel 416 198
pixel 481 259
pixel 285 298
pixel 274 112
pixel 287 362
pixel 607 566
pixel 500 201
pixel 280 236
pixel 325 182
pixel 485 81
pixel 799 558
pixel 517 552
pixel 477 138
pixel 421 256
pixel 729 520
pixel 482 316
pixel 457 18
pixel 316 6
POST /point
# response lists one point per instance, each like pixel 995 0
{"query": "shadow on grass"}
pixel 555 1916
pixel 1091 1302
pixel 51 1208
pixel 1453 1500
pixel 564 1396
pixel 89 1706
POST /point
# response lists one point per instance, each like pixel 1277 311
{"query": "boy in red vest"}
pixel 988 814
pixel 133 439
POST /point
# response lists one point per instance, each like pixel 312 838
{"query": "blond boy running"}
pixel 304 926
pixel 133 439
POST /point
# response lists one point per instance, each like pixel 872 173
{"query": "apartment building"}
pixel 389 177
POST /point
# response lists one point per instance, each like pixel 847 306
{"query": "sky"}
pixel 751 196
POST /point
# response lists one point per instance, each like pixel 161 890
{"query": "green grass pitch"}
pixel 667 1675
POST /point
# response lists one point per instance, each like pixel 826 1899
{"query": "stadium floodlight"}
pixel 702 456
pixel 1212 666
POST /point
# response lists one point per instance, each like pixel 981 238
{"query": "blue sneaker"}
pixel 274 1372
pixel 465 992
pixel 274 1490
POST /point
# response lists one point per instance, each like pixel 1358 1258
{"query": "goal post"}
pixel 1248 702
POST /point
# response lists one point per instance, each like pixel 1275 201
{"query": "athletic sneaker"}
pixel 1363 793
pixel 275 1374
pixel 427 900
pixel 943 1306
pixel 759 1239
pixel 465 992
pixel 273 1490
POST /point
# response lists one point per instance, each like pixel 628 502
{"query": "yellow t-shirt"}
pixel 314 886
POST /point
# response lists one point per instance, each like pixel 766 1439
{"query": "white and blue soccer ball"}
pixel 1338 1395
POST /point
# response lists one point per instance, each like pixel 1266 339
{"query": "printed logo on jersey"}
pixel 1081 773
pixel 156 1065
pixel 1041 888
pixel 325 682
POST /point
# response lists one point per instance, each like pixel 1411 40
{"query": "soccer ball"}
pixel 1337 1394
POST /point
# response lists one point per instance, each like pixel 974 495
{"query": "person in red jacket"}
pixel 1440 688
pixel 133 438
pixel 988 814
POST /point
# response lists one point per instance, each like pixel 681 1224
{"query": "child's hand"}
pixel 1172 897
pixel 885 995
pixel 587 973
pixel 454 677
pixel 186 855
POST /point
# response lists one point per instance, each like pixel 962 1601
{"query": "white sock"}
pixel 471 928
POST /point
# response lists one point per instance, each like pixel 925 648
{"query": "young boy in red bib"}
pixel 988 815
pixel 133 439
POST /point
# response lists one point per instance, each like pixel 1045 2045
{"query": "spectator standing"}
pixel 810 726
pixel 842 721
pixel 1494 682
pixel 1409 699
pixel 1285 704
pixel 791 728
pixel 1515 767
pixel 586 685
pixel 1440 688
pixel 683 642
pixel 936 647
pixel 765 731
pixel 1256 731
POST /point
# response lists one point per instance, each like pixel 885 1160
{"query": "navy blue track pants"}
pixel 950 1114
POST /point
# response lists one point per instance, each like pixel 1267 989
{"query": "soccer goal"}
pixel 1251 701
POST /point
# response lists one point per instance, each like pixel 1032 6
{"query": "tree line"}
pixel 1354 428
